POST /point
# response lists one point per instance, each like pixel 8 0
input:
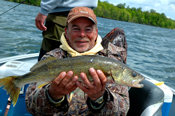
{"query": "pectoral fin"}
pixel 41 84
pixel 110 78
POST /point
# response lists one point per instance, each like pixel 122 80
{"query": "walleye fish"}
pixel 48 69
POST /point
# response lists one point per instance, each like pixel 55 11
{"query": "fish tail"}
pixel 11 88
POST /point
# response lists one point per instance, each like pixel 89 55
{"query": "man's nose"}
pixel 82 33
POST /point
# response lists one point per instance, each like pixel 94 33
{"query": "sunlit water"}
pixel 151 50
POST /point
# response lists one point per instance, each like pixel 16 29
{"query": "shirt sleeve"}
pixel 38 103
pixel 48 5
pixel 116 102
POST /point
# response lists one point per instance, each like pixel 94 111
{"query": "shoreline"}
pixel 37 3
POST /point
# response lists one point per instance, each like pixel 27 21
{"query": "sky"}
pixel 161 6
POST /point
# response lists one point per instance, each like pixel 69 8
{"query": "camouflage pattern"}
pixel 115 41
pixel 116 100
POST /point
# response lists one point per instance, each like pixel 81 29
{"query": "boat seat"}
pixel 146 101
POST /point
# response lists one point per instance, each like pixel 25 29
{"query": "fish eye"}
pixel 134 74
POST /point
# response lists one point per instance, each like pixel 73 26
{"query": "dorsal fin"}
pixel 42 62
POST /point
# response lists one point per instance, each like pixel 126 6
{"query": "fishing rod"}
pixel 12 8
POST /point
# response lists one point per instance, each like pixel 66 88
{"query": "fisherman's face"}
pixel 81 34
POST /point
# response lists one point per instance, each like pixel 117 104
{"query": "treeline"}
pixel 135 15
pixel 123 13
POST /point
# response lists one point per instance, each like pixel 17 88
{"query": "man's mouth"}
pixel 82 42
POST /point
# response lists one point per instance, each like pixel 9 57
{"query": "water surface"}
pixel 151 50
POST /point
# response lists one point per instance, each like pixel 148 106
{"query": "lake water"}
pixel 151 50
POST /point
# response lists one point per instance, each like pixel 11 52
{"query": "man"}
pixel 63 96
pixel 55 13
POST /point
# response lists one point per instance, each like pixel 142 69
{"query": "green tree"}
pixel 123 13
pixel 122 6
pixel 152 11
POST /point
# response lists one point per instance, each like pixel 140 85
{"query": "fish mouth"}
pixel 139 86
pixel 136 83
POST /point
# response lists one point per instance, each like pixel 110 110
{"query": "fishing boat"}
pixel 154 99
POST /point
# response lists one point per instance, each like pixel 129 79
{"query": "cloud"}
pixel 172 2
pixel 172 6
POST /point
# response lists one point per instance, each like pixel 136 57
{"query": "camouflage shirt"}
pixel 116 97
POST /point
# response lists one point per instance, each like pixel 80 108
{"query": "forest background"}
pixel 122 12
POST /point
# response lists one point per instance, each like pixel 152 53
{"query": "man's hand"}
pixel 97 88
pixel 39 22
pixel 62 85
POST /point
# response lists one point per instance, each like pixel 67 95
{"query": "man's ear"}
pixel 65 30
pixel 96 33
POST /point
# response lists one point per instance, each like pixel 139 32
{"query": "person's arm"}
pixel 51 98
pixel 104 98
pixel 116 102
pixel 38 104
pixel 46 7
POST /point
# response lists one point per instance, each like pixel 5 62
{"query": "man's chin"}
pixel 81 50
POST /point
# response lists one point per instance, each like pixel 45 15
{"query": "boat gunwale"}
pixel 18 57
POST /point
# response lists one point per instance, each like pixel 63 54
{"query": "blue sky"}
pixel 161 6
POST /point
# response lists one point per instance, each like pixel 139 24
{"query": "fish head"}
pixel 128 77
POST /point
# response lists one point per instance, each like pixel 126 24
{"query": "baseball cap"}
pixel 81 12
